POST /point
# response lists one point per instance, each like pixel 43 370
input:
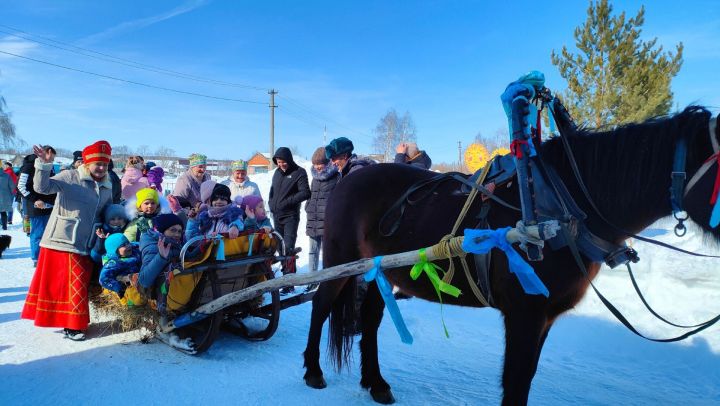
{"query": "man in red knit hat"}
pixel 58 294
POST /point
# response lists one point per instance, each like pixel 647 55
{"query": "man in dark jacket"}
pixel 35 205
pixel 288 190
pixel 408 153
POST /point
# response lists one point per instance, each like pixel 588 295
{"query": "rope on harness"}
pixel 450 247
pixel 376 274
pixel 431 270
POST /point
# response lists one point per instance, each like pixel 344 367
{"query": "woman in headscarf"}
pixel 58 294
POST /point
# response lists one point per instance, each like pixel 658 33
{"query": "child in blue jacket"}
pixel 121 258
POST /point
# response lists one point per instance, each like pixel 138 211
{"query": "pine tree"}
pixel 615 77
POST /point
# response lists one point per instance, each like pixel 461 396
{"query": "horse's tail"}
pixel 342 318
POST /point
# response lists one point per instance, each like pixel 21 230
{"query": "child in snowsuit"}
pixel 122 258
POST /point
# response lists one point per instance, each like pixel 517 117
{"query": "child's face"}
pixel 260 209
pixel 148 206
pixel 219 203
pixel 117 222
pixel 125 250
pixel 175 232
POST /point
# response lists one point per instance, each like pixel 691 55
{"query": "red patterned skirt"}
pixel 58 295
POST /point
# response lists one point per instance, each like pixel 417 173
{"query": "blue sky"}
pixel 338 64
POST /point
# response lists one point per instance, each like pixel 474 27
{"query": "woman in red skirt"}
pixel 58 295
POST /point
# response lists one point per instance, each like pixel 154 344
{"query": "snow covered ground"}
pixel 589 358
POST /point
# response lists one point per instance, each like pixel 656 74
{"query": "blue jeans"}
pixel 314 254
pixel 37 228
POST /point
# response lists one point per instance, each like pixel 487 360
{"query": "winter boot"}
pixel 75 335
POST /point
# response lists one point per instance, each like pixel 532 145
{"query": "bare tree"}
pixel 392 130
pixel 406 131
pixel 142 150
pixel 165 152
pixel 7 128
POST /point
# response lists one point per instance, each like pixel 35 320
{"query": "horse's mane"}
pixel 614 159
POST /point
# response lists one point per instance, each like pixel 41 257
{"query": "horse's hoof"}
pixel 317 382
pixel 384 397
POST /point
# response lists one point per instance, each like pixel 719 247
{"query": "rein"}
pixel 435 182
pixel 678 175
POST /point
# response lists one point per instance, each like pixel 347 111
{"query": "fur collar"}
pixel 84 175
pixel 328 172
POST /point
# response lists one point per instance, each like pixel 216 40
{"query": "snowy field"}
pixel 589 358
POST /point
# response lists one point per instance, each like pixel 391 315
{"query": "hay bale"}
pixel 127 318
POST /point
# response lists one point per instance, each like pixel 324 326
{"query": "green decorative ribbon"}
pixel 431 270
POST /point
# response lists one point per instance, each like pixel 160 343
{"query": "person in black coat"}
pixel 116 184
pixel 288 190
pixel 325 177
pixel 35 205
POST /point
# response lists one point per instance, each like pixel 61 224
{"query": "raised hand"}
pixel 163 248
pixel 44 157
pixel 249 212
pixel 100 233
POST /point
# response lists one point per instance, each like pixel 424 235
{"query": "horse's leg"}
pixel 321 306
pixel 371 313
pixel 525 335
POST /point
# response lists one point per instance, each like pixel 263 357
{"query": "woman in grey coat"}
pixel 6 197
pixel 58 294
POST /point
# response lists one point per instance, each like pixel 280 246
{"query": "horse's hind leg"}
pixel 371 313
pixel 524 338
pixel 321 306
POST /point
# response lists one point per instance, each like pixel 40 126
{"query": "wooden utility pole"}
pixel 272 93
pixel 460 156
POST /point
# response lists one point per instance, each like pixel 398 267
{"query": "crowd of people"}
pixel 89 226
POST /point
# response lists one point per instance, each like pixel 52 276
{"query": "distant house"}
pixel 260 163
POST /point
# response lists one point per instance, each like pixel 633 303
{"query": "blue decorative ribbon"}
pixel 482 241
pixel 251 240
pixel 385 288
pixel 220 255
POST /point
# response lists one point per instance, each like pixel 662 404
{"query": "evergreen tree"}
pixel 615 77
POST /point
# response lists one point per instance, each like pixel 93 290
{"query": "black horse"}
pixel 627 172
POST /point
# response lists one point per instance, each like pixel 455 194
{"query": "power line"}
pixel 325 118
pixel 131 81
pixel 113 59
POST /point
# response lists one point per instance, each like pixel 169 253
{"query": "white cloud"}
pixel 15 45
pixel 143 22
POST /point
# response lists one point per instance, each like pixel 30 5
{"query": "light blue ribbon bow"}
pixel 482 241
pixel 385 288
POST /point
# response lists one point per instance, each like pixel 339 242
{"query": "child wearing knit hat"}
pixel 216 215
pixel 255 215
pixel 114 221
pixel 122 258
pixel 143 209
